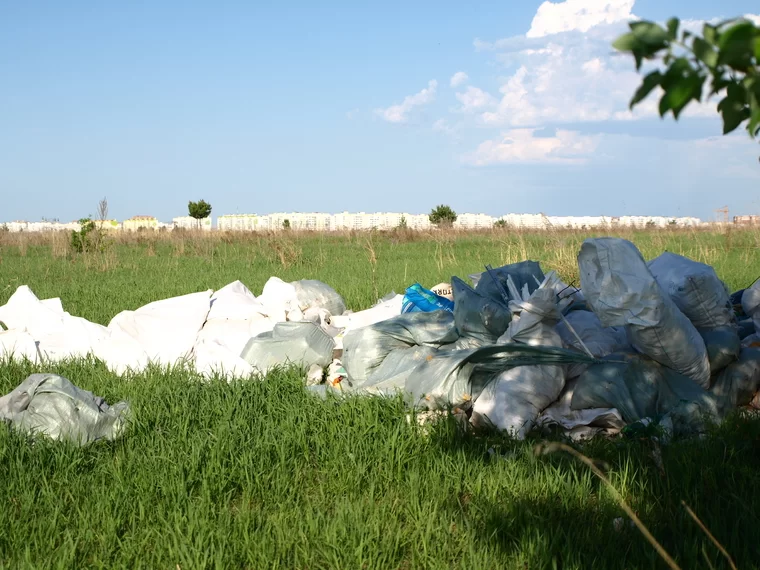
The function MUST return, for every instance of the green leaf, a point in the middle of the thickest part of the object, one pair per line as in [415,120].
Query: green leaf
[649,33]
[733,107]
[678,95]
[664,105]
[736,45]
[673,28]
[705,53]
[626,42]
[710,34]
[752,84]
[649,82]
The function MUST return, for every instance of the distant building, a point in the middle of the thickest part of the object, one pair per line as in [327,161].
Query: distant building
[747,220]
[190,223]
[108,224]
[241,222]
[137,222]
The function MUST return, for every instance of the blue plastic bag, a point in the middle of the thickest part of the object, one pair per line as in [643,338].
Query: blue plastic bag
[418,299]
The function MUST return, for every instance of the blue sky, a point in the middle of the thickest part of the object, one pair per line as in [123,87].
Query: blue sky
[397,106]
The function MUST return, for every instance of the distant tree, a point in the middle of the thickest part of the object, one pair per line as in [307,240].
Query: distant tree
[500,224]
[286,224]
[199,210]
[442,216]
[402,223]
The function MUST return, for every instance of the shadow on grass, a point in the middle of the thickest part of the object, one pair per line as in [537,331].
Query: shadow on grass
[563,516]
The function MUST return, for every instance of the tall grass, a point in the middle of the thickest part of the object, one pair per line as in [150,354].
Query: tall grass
[145,266]
[261,474]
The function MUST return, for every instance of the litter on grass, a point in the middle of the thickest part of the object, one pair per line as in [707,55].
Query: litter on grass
[518,350]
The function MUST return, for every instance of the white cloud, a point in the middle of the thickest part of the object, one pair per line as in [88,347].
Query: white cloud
[475,99]
[459,78]
[521,146]
[442,126]
[565,69]
[350,115]
[400,113]
[580,15]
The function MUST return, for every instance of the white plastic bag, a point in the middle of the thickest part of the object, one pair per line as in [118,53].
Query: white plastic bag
[622,291]
[695,289]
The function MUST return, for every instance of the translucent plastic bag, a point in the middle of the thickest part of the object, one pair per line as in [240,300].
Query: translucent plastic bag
[621,290]
[418,299]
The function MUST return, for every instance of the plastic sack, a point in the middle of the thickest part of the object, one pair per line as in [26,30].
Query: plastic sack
[695,289]
[639,388]
[300,344]
[165,330]
[516,397]
[751,304]
[51,405]
[313,294]
[457,377]
[383,310]
[419,299]
[560,413]
[738,383]
[597,338]
[581,329]
[621,291]
[477,316]
[18,344]
[525,274]
[365,349]
[723,346]
[513,401]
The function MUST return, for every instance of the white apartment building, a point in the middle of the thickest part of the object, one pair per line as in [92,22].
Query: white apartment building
[362,221]
[190,223]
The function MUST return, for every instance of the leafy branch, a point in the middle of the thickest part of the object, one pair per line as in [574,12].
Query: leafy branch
[727,54]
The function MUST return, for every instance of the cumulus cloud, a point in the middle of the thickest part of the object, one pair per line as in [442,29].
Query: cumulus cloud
[580,15]
[475,99]
[564,69]
[459,78]
[523,146]
[400,113]
[442,126]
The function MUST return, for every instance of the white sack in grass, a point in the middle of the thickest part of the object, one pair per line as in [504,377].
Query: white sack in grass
[17,344]
[622,291]
[58,334]
[560,413]
[166,330]
[695,289]
[750,304]
[598,339]
[382,311]
[235,317]
[50,405]
[513,401]
[215,359]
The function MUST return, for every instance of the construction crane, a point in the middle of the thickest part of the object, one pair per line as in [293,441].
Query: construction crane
[724,211]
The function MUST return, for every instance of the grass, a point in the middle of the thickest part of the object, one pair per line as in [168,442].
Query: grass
[261,474]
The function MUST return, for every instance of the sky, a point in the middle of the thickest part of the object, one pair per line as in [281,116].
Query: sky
[261,107]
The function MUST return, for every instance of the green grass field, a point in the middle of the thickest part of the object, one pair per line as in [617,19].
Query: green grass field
[261,474]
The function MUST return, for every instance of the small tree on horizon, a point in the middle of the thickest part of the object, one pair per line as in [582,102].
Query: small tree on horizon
[442,216]
[286,224]
[199,210]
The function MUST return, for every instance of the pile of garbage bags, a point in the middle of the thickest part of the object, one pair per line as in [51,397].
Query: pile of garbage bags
[515,350]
